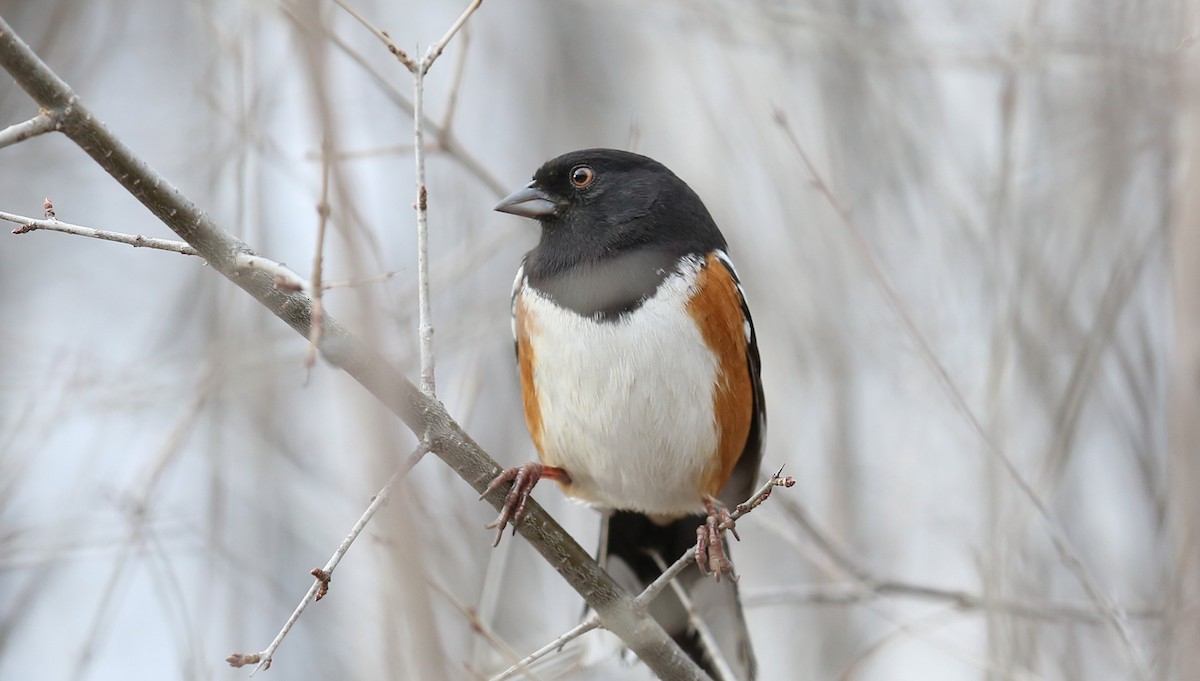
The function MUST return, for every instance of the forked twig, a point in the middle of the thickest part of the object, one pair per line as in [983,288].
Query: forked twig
[323,575]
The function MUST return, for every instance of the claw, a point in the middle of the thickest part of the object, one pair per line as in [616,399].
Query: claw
[711,557]
[523,478]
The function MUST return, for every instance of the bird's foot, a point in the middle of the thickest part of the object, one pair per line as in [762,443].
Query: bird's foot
[711,556]
[523,479]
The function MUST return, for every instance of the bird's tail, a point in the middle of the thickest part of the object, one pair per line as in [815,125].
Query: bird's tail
[631,537]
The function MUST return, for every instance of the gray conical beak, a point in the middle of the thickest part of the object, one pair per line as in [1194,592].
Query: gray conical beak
[530,201]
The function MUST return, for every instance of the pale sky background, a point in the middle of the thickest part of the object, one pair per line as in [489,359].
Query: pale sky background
[168,476]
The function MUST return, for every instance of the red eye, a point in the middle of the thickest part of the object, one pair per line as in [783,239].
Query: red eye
[582,176]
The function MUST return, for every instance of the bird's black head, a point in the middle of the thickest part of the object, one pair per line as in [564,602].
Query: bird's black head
[599,204]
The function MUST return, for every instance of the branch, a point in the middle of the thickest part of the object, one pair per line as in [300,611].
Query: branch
[486,631]
[436,50]
[136,240]
[284,278]
[424,313]
[655,588]
[553,646]
[851,594]
[1062,545]
[446,142]
[707,639]
[643,600]
[382,35]
[40,124]
[320,585]
[317,288]
[422,414]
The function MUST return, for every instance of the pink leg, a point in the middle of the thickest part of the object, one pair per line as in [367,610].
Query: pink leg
[711,557]
[523,479]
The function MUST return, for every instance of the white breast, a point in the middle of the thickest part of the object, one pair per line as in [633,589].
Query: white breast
[627,405]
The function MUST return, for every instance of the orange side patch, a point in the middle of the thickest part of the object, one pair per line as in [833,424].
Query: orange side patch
[717,309]
[529,398]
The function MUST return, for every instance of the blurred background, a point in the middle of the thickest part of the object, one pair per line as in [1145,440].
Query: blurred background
[979,331]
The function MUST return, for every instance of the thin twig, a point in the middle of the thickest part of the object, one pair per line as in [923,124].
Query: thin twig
[436,50]
[446,143]
[382,35]
[320,585]
[868,587]
[368,152]
[135,240]
[553,646]
[424,313]
[460,68]
[855,593]
[285,278]
[652,591]
[422,414]
[485,631]
[721,666]
[1066,552]
[317,288]
[346,283]
[40,124]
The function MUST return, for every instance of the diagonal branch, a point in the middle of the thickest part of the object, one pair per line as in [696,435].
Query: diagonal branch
[668,575]
[551,647]
[323,575]
[720,665]
[437,49]
[422,414]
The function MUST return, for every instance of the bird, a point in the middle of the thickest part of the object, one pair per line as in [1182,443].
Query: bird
[640,379]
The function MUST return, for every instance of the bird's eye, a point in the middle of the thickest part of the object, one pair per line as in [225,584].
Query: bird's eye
[582,176]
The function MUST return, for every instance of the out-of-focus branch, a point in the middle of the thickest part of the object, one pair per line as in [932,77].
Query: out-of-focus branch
[418,70]
[447,143]
[40,124]
[285,278]
[422,414]
[486,631]
[855,593]
[720,665]
[1183,367]
[323,575]
[460,68]
[317,288]
[551,647]
[1112,610]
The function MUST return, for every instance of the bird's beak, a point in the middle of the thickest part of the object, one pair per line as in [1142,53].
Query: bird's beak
[530,201]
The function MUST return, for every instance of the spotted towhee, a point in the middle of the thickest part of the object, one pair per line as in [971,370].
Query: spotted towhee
[640,375]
